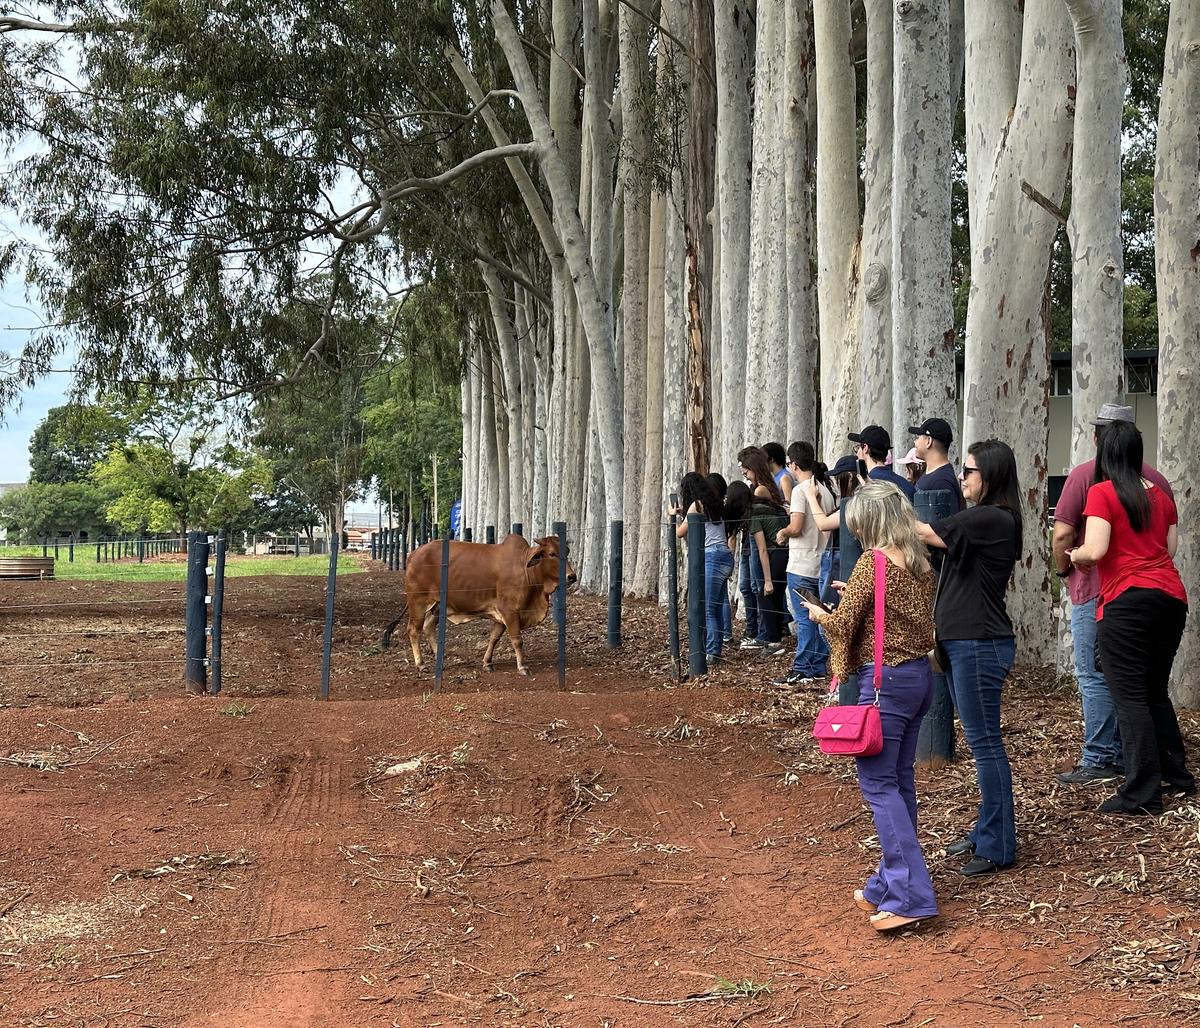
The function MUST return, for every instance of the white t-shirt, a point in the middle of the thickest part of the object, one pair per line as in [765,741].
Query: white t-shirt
[804,550]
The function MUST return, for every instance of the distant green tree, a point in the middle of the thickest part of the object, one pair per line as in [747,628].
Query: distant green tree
[53,509]
[71,440]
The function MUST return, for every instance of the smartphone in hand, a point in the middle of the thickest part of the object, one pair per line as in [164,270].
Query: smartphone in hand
[811,597]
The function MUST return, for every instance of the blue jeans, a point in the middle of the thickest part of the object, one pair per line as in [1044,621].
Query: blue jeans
[827,562]
[976,677]
[812,652]
[1101,735]
[750,575]
[727,610]
[901,883]
[718,566]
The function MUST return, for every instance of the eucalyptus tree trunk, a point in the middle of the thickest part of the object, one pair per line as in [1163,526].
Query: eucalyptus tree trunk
[1094,227]
[698,232]
[527,345]
[992,33]
[675,349]
[470,473]
[1007,344]
[801,418]
[922,315]
[875,373]
[512,441]
[767,325]
[1177,270]
[489,448]
[595,312]
[636,107]
[837,221]
[733,31]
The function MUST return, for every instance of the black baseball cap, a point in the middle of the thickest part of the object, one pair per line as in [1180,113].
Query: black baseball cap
[874,436]
[935,428]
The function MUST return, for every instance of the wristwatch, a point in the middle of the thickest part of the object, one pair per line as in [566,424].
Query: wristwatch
[1063,574]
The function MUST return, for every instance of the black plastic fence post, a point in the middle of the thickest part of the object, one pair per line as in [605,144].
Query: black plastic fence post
[71,550]
[616,564]
[443,586]
[518,528]
[673,596]
[697,659]
[45,547]
[466,535]
[97,553]
[935,743]
[218,609]
[489,534]
[195,673]
[297,552]
[56,547]
[560,599]
[330,589]
[141,544]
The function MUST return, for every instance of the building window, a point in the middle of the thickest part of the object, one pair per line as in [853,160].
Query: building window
[1060,380]
[1141,377]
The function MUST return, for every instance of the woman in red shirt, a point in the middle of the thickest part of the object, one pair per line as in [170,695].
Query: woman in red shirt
[1131,537]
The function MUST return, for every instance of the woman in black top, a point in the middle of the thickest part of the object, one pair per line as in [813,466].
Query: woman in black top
[975,635]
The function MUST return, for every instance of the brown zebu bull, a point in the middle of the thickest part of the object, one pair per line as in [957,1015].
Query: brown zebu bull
[509,582]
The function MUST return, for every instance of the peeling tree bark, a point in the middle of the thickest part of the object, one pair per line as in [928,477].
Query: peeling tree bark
[837,222]
[1177,269]
[1007,351]
[1094,227]
[875,368]
[922,315]
[734,44]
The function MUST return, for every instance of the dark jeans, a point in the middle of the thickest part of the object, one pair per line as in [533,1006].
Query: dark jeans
[772,604]
[748,575]
[901,885]
[1138,638]
[976,677]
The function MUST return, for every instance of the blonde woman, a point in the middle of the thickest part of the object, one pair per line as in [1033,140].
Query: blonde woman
[900,891]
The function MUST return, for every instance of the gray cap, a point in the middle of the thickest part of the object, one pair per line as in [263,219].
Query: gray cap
[1111,412]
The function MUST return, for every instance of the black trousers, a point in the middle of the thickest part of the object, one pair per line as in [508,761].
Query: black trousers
[771,608]
[1138,639]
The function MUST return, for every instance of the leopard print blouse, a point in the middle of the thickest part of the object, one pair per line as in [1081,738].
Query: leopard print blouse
[907,619]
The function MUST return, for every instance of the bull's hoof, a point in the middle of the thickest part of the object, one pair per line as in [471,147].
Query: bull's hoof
[524,672]
[488,668]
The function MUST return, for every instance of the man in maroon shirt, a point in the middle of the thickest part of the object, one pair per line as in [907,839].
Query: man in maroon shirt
[1101,759]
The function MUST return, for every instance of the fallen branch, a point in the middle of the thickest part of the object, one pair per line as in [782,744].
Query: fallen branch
[7,908]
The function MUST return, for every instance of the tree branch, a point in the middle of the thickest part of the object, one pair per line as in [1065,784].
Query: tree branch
[9,23]
[1044,202]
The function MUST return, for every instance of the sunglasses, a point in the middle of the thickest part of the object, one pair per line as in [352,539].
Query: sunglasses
[968,472]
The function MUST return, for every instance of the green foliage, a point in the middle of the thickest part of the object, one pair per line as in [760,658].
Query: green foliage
[71,440]
[52,509]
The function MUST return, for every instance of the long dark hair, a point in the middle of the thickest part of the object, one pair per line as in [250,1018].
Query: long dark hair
[695,489]
[998,469]
[737,507]
[718,483]
[755,461]
[804,456]
[1119,458]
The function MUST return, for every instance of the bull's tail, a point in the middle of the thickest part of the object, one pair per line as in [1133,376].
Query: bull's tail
[385,640]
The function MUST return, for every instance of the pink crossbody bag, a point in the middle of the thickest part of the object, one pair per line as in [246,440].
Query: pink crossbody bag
[857,731]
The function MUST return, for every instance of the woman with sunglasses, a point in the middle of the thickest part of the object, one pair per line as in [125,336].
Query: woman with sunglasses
[976,637]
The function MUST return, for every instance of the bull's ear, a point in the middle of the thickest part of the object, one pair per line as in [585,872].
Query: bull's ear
[535,556]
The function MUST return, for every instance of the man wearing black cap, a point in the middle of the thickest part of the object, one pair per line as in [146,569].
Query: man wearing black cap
[871,446]
[932,438]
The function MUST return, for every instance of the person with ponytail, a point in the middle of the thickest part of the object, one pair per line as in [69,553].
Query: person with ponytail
[768,514]
[696,496]
[1131,533]
[976,639]
[805,543]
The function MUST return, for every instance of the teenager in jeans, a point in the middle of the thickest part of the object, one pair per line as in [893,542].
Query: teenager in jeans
[755,467]
[805,543]
[900,890]
[696,496]
[1131,537]
[721,488]
[737,522]
[975,634]
[1101,759]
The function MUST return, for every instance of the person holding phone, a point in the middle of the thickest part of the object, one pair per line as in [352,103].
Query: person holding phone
[900,890]
[805,542]
[975,634]
[696,496]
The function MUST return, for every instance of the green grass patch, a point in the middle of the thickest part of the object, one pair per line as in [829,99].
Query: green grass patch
[237,710]
[85,568]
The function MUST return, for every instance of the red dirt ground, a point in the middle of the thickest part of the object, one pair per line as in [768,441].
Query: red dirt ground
[628,852]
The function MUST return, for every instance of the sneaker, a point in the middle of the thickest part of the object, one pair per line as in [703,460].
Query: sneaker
[750,644]
[795,678]
[775,650]
[1118,804]
[1089,775]
[977,866]
[960,848]
[1179,789]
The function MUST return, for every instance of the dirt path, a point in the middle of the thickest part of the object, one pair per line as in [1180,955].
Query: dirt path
[625,854]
